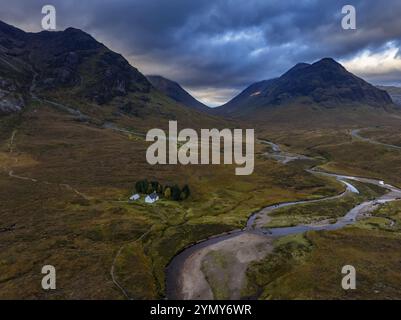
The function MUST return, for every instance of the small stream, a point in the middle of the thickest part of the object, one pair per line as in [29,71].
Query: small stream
[356,134]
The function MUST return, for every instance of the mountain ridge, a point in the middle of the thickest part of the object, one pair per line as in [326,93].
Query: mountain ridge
[71,72]
[176,92]
[69,59]
[394,92]
[325,82]
[73,62]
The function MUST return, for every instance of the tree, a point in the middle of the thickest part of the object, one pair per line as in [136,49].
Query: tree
[141,186]
[185,193]
[149,189]
[167,192]
[154,185]
[176,193]
[138,187]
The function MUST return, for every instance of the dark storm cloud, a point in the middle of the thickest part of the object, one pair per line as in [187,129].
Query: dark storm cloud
[218,47]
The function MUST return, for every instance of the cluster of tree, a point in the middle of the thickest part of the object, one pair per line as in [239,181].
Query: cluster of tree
[144,186]
[169,192]
[175,193]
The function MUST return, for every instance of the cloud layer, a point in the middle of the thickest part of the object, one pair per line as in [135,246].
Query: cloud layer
[216,48]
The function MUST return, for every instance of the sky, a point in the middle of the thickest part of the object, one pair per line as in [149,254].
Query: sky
[216,48]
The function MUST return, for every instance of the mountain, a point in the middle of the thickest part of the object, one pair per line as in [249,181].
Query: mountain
[176,92]
[249,97]
[14,72]
[325,83]
[394,92]
[73,72]
[69,59]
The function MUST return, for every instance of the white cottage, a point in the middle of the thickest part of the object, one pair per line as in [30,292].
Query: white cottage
[151,198]
[134,197]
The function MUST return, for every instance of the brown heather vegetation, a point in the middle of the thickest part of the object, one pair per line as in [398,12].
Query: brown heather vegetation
[309,266]
[67,197]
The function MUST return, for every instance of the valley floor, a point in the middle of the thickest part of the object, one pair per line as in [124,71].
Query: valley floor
[64,185]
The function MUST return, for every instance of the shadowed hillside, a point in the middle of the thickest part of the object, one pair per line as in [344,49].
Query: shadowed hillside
[325,84]
[176,92]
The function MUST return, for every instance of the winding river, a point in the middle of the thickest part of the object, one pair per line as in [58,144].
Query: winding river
[184,264]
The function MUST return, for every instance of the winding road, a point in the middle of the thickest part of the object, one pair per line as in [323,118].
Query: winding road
[185,278]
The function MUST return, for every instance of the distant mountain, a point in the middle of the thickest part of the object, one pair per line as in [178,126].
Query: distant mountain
[394,92]
[176,92]
[248,98]
[325,83]
[70,72]
[71,60]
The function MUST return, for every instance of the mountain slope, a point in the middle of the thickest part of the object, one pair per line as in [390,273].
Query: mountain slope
[79,75]
[394,92]
[68,59]
[75,59]
[15,75]
[325,83]
[176,92]
[249,97]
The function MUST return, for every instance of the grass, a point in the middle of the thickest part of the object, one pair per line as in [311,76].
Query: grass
[308,266]
[81,237]
[323,210]
[386,217]
[262,275]
[384,134]
[300,271]
[364,159]
[134,267]
[214,267]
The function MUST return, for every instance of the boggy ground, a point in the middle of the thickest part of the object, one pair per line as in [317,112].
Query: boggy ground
[308,266]
[63,190]
[64,186]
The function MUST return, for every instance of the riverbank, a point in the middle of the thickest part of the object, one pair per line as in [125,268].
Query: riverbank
[212,269]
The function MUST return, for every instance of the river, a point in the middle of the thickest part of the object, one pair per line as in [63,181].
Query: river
[177,270]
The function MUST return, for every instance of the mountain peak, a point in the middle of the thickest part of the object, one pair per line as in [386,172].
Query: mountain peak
[326,83]
[296,68]
[327,60]
[71,59]
[173,90]
[71,29]
[329,63]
